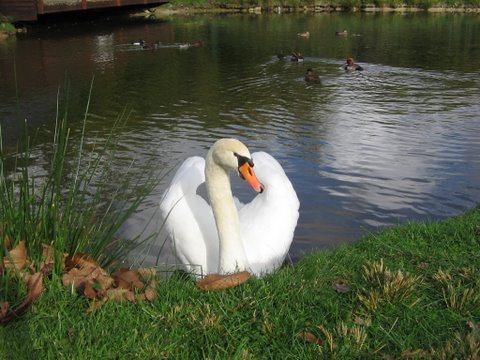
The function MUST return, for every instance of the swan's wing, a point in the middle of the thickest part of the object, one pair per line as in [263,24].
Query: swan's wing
[188,219]
[268,222]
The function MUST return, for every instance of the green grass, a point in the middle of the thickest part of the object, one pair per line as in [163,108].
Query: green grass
[413,293]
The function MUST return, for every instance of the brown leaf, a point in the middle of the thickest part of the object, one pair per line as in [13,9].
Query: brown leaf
[3,309]
[17,257]
[79,277]
[35,289]
[89,292]
[150,293]
[220,282]
[309,337]
[80,260]
[127,279]
[341,286]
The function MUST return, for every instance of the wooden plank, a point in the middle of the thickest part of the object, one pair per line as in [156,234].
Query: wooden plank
[19,9]
[27,10]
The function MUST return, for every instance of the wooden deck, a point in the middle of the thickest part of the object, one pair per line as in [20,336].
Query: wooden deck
[28,10]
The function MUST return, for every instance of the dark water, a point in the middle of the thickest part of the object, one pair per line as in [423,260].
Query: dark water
[397,142]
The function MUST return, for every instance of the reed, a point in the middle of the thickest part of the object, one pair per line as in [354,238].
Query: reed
[78,204]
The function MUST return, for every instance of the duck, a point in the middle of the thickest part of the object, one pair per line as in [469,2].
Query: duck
[139,43]
[296,56]
[304,34]
[224,236]
[311,76]
[342,33]
[350,65]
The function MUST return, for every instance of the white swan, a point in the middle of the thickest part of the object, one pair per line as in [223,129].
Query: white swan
[227,236]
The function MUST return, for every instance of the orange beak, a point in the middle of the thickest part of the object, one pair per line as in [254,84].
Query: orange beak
[247,173]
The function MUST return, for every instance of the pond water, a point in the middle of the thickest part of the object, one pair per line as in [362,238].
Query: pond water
[397,142]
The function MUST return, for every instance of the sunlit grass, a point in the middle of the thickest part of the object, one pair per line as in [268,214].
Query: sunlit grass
[425,277]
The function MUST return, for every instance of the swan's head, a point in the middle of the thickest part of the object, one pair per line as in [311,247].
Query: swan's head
[232,154]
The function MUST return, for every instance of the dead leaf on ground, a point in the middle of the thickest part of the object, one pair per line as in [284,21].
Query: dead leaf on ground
[89,292]
[127,279]
[35,289]
[309,337]
[17,257]
[3,310]
[220,282]
[79,260]
[150,293]
[89,277]
[341,286]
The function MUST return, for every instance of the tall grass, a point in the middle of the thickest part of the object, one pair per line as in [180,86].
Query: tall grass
[79,205]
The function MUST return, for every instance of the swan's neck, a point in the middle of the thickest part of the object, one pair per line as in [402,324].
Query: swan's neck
[232,256]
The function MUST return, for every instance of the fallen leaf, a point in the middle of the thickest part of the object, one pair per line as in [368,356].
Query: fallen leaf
[220,282]
[35,289]
[80,260]
[341,286]
[17,257]
[89,292]
[79,277]
[309,337]
[127,279]
[150,293]
[3,310]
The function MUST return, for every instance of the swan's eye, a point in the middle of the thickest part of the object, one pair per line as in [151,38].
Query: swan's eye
[243,159]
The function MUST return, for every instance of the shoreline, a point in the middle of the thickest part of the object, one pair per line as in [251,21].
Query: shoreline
[172,10]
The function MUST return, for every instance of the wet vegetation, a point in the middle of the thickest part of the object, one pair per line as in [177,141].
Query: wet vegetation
[324,5]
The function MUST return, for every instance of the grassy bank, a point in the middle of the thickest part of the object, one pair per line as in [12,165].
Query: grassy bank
[182,6]
[412,291]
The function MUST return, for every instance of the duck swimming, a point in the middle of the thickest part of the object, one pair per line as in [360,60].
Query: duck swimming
[350,65]
[311,76]
[222,235]
[296,56]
